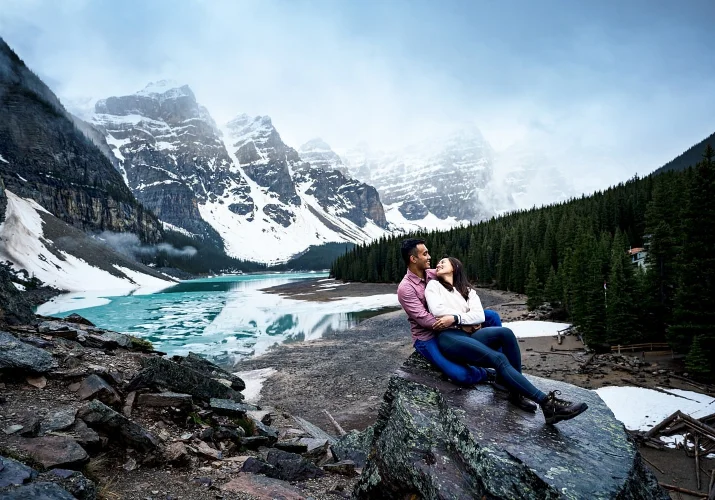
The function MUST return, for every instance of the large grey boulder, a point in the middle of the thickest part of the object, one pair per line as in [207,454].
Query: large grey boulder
[54,451]
[36,491]
[162,374]
[206,367]
[14,473]
[437,440]
[100,416]
[16,355]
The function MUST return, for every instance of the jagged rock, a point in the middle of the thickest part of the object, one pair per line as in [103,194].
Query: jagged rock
[17,355]
[94,386]
[291,467]
[354,446]
[98,415]
[76,318]
[59,420]
[266,431]
[234,434]
[85,437]
[37,382]
[72,481]
[257,466]
[111,338]
[207,368]
[54,451]
[99,341]
[230,408]
[263,416]
[38,342]
[14,473]
[316,448]
[37,491]
[447,443]
[254,442]
[129,404]
[209,452]
[162,373]
[12,429]
[291,446]
[262,487]
[59,329]
[167,399]
[31,426]
[314,430]
[176,453]
[344,468]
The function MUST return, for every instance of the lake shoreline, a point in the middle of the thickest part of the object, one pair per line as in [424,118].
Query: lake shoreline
[346,373]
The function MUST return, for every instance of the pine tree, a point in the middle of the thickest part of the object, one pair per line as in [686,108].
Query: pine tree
[533,289]
[620,313]
[693,314]
[553,291]
[698,361]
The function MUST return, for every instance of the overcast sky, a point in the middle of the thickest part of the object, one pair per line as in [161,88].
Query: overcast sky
[607,88]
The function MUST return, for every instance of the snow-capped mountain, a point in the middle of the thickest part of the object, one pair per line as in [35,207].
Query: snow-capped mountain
[239,185]
[432,185]
[319,154]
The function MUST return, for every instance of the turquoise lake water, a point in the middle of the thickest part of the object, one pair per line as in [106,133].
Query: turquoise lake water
[226,318]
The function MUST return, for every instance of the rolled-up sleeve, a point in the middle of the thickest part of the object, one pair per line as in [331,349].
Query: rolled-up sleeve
[414,308]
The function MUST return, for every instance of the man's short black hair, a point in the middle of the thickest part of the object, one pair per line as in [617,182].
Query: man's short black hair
[409,247]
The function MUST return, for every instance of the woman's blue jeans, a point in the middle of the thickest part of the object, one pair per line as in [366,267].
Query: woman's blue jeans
[457,372]
[481,349]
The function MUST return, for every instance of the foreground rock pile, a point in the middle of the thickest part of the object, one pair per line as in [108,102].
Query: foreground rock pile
[75,398]
[435,440]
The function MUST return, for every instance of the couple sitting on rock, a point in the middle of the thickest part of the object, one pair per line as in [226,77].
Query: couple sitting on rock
[450,329]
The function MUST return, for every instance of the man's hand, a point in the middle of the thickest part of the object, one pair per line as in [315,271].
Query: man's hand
[443,322]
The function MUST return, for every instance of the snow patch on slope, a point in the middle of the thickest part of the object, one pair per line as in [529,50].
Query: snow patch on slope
[22,242]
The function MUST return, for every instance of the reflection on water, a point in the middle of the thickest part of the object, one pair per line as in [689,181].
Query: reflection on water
[228,318]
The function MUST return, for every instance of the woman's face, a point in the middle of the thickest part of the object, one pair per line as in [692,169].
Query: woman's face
[444,267]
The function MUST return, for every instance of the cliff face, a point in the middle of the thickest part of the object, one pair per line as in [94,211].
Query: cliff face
[44,156]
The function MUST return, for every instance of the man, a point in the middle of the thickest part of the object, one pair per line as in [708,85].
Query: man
[423,325]
[411,294]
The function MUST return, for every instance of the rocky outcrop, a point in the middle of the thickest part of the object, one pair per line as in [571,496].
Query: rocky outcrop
[46,158]
[437,441]
[19,357]
[162,373]
[170,153]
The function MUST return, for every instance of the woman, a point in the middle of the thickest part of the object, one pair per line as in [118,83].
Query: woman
[451,294]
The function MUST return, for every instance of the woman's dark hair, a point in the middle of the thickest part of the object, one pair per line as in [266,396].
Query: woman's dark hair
[459,279]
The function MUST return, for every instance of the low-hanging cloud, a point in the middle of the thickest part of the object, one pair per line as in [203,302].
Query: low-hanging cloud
[130,245]
[602,89]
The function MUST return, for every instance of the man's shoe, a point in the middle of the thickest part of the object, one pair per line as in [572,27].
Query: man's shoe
[555,409]
[523,403]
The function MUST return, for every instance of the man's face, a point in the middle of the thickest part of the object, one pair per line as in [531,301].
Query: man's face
[422,259]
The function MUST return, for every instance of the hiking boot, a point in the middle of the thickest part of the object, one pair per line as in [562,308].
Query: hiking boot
[555,409]
[525,404]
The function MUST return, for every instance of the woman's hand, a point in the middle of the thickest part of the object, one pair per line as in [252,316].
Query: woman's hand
[443,322]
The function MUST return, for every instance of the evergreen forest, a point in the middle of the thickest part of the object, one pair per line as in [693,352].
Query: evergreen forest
[575,255]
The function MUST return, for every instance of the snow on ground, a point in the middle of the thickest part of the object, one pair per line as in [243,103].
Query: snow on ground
[523,329]
[641,409]
[22,242]
[3,159]
[254,380]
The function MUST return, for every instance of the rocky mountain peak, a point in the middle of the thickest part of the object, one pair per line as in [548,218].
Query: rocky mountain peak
[318,153]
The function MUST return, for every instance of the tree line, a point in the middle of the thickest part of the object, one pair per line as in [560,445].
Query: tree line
[575,256]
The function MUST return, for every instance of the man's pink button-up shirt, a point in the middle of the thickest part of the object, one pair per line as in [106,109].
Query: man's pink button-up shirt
[411,294]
